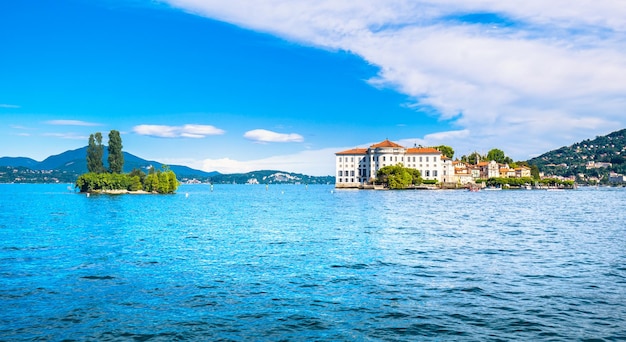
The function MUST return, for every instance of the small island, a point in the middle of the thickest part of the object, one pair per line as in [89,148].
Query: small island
[98,179]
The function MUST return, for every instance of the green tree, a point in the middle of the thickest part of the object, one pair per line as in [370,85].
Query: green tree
[173,182]
[95,152]
[116,157]
[497,155]
[140,174]
[395,176]
[473,158]
[446,150]
[534,171]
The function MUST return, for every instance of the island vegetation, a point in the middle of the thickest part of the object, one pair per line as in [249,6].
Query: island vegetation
[100,179]
[398,177]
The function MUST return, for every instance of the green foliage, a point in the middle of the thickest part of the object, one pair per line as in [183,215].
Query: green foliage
[134,183]
[473,158]
[116,157]
[158,182]
[398,177]
[95,152]
[446,150]
[534,171]
[499,156]
[517,182]
[572,160]
[513,182]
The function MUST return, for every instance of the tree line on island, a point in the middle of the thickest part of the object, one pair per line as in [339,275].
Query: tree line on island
[400,177]
[98,178]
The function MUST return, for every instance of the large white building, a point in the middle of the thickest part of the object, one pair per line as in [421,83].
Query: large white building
[359,166]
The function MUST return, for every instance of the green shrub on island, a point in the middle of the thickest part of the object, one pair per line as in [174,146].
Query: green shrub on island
[162,182]
[518,182]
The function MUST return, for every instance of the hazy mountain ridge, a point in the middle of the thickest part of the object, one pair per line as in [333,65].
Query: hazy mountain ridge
[590,158]
[67,166]
[270,177]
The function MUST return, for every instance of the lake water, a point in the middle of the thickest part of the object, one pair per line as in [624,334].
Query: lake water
[297,263]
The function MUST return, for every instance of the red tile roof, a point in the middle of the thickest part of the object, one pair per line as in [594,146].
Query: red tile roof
[422,150]
[353,151]
[386,143]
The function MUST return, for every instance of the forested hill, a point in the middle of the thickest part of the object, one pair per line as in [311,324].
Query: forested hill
[270,177]
[592,158]
[67,166]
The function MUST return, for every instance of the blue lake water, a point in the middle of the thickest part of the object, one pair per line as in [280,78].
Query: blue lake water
[297,263]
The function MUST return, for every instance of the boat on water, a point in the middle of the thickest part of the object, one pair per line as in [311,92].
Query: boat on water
[492,188]
[473,188]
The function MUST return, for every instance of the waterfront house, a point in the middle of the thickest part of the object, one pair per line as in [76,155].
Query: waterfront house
[358,167]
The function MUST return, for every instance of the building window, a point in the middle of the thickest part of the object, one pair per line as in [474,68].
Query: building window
[340,159]
[434,173]
[427,173]
[352,180]
[352,159]
[426,158]
[434,159]
[352,173]
[340,174]
[420,159]
[340,180]
[383,158]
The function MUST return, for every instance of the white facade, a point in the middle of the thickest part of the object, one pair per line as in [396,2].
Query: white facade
[359,166]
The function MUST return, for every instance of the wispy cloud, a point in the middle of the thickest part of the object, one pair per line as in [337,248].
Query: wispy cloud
[526,77]
[263,136]
[311,162]
[71,123]
[73,136]
[4,105]
[186,131]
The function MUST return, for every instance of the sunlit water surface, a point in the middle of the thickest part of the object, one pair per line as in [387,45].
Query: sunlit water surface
[300,263]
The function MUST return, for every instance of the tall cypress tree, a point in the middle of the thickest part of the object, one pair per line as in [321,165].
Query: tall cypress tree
[116,158]
[99,153]
[95,152]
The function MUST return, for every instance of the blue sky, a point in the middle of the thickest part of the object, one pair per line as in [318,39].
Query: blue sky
[238,86]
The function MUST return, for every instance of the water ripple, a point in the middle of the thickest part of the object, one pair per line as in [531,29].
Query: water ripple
[293,263]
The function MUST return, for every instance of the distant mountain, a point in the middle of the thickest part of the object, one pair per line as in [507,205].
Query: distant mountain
[586,159]
[270,177]
[70,164]
[67,166]
[18,161]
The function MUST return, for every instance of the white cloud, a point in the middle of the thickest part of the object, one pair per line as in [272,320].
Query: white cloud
[543,74]
[263,135]
[4,105]
[71,123]
[310,162]
[186,131]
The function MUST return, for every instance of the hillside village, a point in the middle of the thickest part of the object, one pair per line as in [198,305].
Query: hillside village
[598,161]
[589,162]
